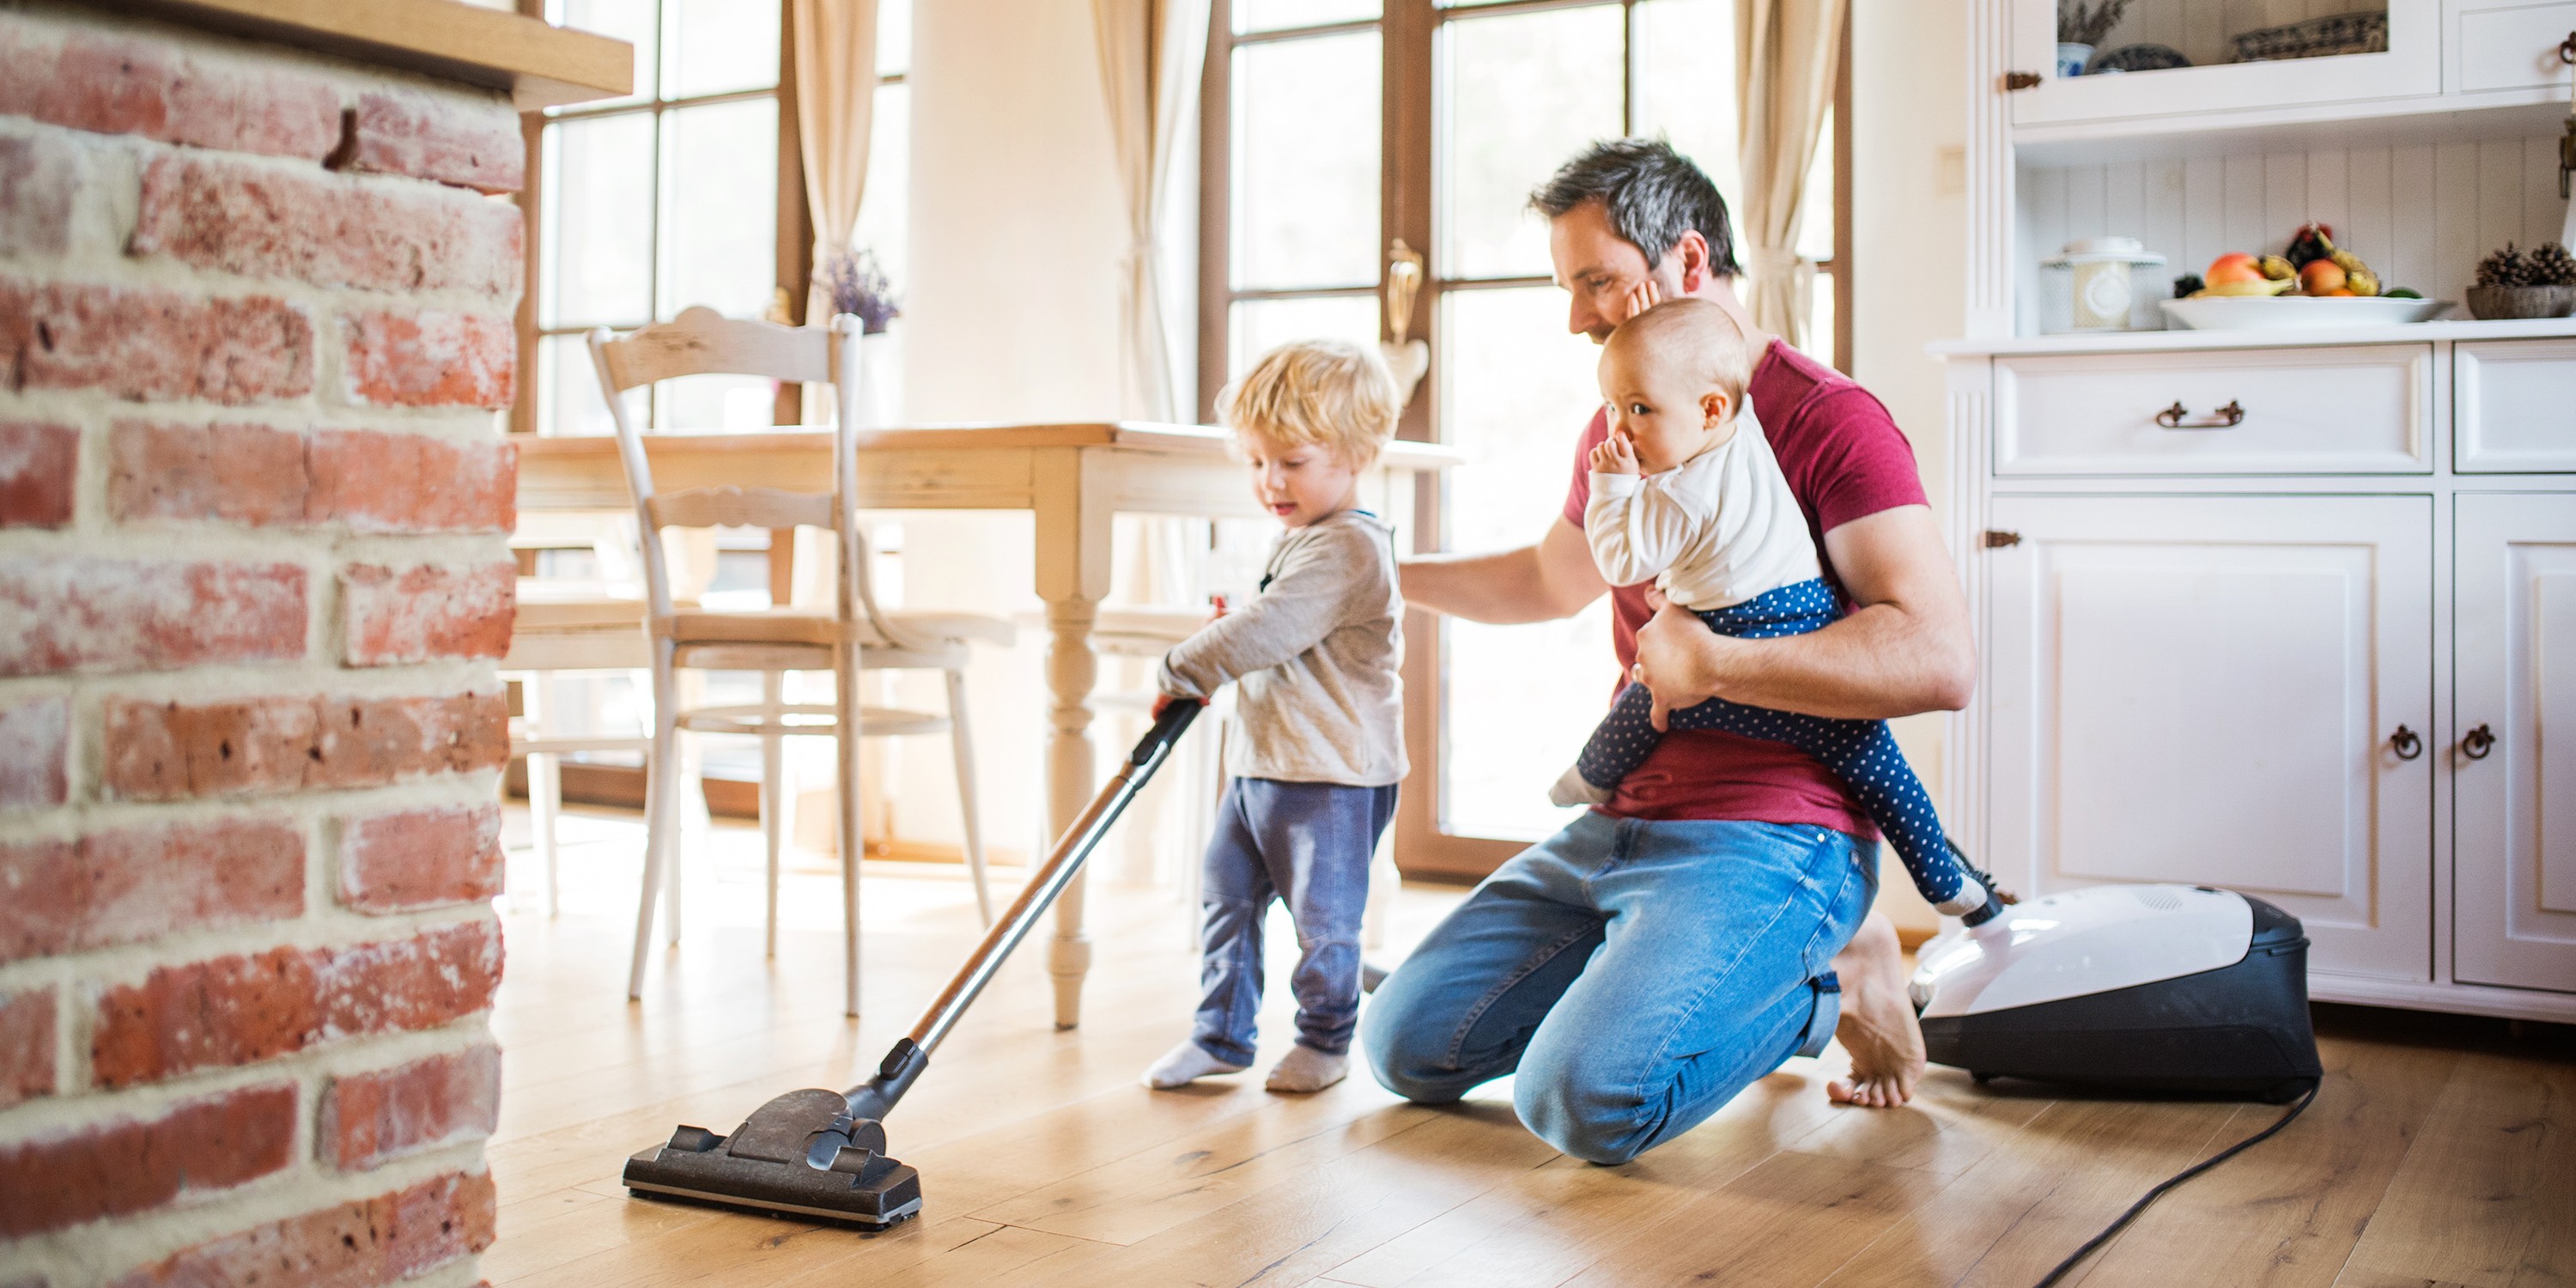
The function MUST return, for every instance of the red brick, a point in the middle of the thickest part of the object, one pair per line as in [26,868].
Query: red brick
[38,467]
[372,1118]
[124,1165]
[358,1244]
[431,359]
[410,483]
[243,1009]
[270,221]
[427,612]
[173,751]
[38,178]
[471,143]
[70,613]
[260,477]
[153,345]
[125,887]
[35,740]
[423,858]
[112,83]
[245,474]
[26,1046]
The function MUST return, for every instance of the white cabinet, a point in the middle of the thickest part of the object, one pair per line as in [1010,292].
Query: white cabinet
[2215,84]
[2208,690]
[2508,44]
[2356,410]
[2514,403]
[2511,752]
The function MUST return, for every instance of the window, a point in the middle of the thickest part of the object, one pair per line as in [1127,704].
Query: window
[686,192]
[1334,127]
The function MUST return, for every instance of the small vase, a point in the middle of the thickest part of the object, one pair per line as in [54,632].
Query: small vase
[2073,58]
[2493,303]
[880,380]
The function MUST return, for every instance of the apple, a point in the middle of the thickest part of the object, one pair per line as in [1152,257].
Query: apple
[2322,277]
[2233,266]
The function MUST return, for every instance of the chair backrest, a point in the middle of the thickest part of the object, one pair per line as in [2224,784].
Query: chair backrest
[701,341]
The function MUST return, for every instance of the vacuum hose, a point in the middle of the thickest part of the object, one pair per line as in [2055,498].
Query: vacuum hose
[903,1064]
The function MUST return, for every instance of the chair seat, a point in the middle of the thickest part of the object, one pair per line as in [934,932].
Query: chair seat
[553,606]
[796,626]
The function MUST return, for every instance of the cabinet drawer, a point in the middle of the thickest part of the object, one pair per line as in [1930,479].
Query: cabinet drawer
[2301,411]
[2511,404]
[2509,44]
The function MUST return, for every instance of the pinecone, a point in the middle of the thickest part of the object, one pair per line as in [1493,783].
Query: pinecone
[2506,267]
[2552,266]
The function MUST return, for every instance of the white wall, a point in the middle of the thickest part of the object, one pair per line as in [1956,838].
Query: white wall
[1909,233]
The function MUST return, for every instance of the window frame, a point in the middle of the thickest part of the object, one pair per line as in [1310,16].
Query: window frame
[1408,33]
[795,232]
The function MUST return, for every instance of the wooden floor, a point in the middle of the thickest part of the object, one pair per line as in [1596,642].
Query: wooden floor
[2439,1152]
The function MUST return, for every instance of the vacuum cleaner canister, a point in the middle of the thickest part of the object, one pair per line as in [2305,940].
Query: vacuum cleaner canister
[2131,988]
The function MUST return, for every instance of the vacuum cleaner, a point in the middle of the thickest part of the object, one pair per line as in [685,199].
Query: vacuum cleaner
[821,1155]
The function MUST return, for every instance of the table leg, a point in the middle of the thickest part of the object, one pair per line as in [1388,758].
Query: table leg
[1072,777]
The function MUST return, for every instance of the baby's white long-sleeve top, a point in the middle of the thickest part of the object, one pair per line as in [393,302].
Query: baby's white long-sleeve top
[1718,529]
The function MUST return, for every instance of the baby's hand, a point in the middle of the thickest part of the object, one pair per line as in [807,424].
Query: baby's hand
[1614,456]
[1641,297]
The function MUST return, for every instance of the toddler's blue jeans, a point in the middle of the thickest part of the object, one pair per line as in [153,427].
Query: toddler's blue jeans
[1635,975]
[1307,844]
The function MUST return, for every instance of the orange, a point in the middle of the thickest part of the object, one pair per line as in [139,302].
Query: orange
[2321,277]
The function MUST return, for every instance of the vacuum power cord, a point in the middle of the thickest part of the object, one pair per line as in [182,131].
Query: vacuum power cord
[2095,1243]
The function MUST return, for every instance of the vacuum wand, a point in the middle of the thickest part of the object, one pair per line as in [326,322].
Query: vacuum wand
[873,1098]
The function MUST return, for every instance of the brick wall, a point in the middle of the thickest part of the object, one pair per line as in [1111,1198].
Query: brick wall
[255,322]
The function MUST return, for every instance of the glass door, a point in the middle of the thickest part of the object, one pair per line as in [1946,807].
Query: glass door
[2192,59]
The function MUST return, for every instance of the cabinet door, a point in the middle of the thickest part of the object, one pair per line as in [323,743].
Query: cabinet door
[2513,857]
[2204,690]
[2215,82]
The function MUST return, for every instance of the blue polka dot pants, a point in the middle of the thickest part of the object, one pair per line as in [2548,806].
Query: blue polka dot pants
[1863,752]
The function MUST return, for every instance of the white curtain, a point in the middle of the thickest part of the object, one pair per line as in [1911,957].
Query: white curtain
[836,83]
[1151,53]
[1787,54]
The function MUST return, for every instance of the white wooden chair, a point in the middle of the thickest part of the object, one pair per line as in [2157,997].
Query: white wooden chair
[856,636]
[562,625]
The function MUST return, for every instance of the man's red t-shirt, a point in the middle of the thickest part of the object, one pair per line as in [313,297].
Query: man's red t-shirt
[1845,459]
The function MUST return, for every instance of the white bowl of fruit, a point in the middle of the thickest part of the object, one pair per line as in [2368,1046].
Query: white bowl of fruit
[2312,283]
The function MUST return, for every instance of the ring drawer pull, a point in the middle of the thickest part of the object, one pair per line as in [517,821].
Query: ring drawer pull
[2178,417]
[2405,743]
[2477,743]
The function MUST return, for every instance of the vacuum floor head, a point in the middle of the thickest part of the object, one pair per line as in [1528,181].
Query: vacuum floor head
[2129,988]
[770,1165]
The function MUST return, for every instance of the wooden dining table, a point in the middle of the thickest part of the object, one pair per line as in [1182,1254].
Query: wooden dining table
[1072,476]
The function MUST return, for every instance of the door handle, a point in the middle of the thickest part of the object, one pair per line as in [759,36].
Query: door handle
[2477,743]
[2179,417]
[2405,743]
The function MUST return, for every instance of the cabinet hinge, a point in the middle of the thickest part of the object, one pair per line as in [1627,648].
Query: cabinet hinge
[2020,80]
[1996,539]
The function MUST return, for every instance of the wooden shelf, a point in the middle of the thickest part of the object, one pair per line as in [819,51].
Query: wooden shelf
[2429,118]
[537,64]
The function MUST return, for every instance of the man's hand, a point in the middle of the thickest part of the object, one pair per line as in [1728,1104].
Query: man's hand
[1673,652]
[1613,455]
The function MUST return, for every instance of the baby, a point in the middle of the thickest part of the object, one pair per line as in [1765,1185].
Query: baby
[1316,745]
[1685,491]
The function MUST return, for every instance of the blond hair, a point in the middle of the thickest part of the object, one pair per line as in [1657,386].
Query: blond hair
[1697,336]
[1329,393]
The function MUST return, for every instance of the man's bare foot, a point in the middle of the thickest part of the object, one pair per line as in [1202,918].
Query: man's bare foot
[1877,1026]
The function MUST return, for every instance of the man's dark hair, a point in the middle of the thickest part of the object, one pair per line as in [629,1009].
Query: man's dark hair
[1652,193]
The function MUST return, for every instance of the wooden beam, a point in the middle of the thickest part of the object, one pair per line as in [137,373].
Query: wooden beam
[540,65]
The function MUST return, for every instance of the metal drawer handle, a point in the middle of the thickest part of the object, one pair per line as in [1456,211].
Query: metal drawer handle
[2477,743]
[2178,417]
[2405,743]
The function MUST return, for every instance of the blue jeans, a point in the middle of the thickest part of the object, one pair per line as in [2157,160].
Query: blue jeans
[1307,844]
[1634,974]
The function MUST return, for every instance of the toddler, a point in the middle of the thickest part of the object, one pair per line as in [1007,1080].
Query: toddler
[1316,745]
[1685,491]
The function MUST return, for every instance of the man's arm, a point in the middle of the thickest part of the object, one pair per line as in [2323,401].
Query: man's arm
[1539,583]
[1905,648]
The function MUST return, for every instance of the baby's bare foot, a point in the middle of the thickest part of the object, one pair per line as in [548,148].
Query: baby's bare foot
[1877,1027]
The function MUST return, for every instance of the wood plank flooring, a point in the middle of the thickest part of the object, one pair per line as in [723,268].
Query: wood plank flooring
[2441,1150]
